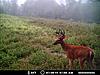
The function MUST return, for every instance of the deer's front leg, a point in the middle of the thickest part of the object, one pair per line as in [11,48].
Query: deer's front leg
[70,64]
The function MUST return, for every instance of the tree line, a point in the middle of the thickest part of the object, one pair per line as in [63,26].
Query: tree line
[77,11]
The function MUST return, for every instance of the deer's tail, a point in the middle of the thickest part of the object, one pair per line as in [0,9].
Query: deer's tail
[91,55]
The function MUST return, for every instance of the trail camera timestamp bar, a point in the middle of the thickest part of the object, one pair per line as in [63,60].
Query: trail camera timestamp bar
[62,72]
[49,72]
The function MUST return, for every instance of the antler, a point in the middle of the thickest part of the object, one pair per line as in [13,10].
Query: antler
[61,34]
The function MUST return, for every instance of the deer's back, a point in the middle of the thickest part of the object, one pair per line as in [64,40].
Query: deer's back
[75,52]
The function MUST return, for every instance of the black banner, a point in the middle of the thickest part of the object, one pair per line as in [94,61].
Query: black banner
[49,72]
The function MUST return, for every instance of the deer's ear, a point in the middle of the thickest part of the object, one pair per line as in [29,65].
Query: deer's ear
[62,37]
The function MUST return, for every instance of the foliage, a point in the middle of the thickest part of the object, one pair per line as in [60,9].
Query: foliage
[27,43]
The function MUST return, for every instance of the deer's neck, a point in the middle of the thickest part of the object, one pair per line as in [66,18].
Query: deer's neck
[63,45]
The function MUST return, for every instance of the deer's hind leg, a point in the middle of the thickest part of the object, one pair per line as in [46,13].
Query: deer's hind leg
[81,61]
[90,61]
[91,64]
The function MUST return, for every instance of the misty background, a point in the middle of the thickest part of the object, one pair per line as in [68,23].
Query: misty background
[75,10]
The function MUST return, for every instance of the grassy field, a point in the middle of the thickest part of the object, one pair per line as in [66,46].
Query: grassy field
[26,43]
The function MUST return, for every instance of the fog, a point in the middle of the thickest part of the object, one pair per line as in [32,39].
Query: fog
[76,10]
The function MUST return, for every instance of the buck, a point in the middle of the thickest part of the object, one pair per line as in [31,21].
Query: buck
[81,53]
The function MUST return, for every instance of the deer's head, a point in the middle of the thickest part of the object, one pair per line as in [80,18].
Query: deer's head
[60,36]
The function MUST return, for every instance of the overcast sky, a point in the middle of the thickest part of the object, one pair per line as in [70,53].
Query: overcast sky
[58,1]
[21,1]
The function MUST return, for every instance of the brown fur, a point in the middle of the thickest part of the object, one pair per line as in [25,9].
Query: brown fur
[82,53]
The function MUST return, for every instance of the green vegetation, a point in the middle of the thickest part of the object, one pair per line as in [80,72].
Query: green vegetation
[27,43]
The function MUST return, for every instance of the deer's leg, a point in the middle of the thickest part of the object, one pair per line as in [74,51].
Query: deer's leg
[81,61]
[70,64]
[90,61]
[91,64]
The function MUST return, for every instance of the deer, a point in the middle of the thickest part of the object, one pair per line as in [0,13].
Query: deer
[74,52]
